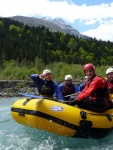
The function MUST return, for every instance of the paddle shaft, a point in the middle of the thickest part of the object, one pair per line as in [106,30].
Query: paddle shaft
[42,97]
[75,94]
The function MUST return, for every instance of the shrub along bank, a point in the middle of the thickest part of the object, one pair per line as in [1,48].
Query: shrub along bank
[15,76]
[13,70]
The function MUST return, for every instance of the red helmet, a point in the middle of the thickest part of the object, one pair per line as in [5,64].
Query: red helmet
[89,66]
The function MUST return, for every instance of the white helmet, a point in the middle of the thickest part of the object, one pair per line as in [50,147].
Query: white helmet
[109,70]
[86,77]
[68,77]
[46,71]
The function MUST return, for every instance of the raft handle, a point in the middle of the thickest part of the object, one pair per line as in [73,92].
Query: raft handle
[83,115]
[26,101]
[109,117]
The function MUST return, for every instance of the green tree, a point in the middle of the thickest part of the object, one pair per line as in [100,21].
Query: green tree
[76,58]
[103,61]
[72,45]
[83,55]
[90,58]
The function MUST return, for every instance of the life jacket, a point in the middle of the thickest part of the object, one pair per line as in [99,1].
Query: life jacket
[67,90]
[101,95]
[110,89]
[48,88]
[110,86]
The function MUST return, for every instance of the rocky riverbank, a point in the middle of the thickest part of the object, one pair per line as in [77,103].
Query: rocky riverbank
[10,88]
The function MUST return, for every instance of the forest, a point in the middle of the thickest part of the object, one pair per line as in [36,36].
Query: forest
[27,44]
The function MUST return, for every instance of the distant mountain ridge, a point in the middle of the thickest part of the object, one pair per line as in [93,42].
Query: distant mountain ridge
[54,25]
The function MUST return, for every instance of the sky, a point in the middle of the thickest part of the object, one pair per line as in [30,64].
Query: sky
[93,18]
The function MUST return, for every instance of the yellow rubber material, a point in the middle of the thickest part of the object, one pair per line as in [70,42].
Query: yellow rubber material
[57,117]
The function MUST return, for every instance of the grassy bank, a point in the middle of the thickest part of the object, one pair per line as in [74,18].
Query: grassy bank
[13,70]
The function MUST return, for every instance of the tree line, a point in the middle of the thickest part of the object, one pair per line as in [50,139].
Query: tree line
[22,42]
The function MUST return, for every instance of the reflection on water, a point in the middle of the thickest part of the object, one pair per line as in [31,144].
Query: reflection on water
[14,136]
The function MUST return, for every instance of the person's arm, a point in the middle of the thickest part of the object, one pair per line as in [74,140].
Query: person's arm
[80,87]
[58,93]
[38,81]
[55,85]
[34,77]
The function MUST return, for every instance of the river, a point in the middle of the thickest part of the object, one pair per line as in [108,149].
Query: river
[14,136]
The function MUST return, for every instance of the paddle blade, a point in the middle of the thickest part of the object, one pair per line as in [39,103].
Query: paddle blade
[30,95]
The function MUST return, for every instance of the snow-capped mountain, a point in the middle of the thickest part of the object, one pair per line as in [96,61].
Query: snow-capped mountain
[54,25]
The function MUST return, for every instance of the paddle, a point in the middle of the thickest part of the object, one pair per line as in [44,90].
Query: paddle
[39,96]
[30,95]
[42,98]
[75,94]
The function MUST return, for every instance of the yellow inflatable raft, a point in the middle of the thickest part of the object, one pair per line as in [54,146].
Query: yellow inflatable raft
[62,119]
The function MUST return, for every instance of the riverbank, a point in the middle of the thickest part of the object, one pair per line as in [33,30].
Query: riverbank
[10,88]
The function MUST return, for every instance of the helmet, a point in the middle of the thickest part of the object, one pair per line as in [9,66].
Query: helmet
[86,77]
[89,66]
[109,70]
[68,77]
[46,71]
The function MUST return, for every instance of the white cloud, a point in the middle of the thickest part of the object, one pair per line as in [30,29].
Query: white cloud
[64,9]
[88,22]
[103,32]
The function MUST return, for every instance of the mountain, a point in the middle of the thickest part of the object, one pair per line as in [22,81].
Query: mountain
[54,25]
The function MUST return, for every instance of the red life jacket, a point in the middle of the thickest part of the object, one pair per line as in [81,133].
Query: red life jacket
[101,94]
[110,87]
[68,89]
[96,91]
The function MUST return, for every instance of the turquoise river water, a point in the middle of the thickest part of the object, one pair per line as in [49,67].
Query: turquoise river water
[14,136]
